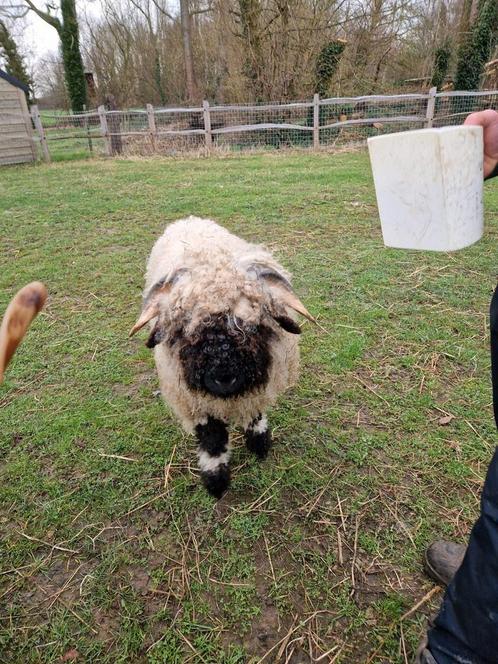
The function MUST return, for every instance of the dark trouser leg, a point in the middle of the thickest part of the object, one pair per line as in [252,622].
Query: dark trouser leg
[258,437]
[213,456]
[466,628]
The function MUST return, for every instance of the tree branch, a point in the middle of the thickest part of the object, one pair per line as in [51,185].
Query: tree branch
[202,11]
[11,11]
[163,11]
[145,14]
[45,16]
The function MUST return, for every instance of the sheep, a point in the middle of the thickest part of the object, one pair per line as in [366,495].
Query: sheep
[223,327]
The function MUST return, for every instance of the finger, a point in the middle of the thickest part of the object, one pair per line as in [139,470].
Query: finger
[483,119]
[488,120]
[17,319]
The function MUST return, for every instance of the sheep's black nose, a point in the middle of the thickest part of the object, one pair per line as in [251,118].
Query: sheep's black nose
[223,384]
[226,383]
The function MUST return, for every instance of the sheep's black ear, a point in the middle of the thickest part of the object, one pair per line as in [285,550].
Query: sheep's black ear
[287,324]
[156,336]
[282,291]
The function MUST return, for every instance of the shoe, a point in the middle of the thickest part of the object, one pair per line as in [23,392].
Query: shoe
[442,560]
[423,655]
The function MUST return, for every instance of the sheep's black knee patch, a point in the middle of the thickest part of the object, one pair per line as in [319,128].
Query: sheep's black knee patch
[212,436]
[217,482]
[257,441]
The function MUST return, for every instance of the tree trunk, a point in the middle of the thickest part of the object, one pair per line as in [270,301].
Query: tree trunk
[250,14]
[186,23]
[158,76]
[464,23]
[114,125]
[474,10]
[477,48]
[326,65]
[71,56]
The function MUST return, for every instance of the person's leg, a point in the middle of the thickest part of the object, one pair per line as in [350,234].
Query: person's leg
[466,627]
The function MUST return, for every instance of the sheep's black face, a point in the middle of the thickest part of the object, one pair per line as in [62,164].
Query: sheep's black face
[226,361]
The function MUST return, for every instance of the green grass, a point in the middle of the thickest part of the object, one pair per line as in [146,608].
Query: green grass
[326,536]
[70,139]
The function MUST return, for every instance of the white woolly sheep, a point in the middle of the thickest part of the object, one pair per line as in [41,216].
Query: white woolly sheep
[223,330]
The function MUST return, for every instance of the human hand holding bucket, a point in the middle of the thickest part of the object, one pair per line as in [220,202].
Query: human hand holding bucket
[429,187]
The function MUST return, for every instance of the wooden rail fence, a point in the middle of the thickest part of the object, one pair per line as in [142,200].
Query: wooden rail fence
[313,124]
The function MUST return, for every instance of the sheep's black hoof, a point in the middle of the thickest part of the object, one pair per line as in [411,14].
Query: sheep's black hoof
[258,443]
[217,482]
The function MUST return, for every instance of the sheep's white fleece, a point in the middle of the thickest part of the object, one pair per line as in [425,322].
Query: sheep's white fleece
[217,281]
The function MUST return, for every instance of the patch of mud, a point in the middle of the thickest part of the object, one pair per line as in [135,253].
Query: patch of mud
[61,580]
[107,625]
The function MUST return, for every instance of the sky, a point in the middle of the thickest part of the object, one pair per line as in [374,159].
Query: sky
[39,38]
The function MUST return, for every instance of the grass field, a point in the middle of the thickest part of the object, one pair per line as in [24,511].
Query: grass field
[110,549]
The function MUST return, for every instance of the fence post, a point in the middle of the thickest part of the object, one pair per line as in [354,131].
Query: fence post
[87,127]
[316,121]
[113,125]
[152,126]
[207,125]
[431,104]
[35,114]
[103,130]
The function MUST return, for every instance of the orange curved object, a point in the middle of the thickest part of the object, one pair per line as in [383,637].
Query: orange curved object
[24,306]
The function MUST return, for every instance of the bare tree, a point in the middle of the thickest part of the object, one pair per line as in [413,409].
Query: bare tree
[187,12]
[147,10]
[241,50]
[68,30]
[186,22]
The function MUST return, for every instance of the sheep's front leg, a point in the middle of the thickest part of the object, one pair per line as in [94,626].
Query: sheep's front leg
[258,436]
[214,455]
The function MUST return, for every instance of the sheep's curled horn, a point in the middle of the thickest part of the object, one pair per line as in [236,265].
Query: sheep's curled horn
[150,307]
[282,295]
[280,292]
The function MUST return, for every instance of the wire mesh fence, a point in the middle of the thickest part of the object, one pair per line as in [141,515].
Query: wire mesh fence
[350,121]
[67,136]
[315,124]
[451,108]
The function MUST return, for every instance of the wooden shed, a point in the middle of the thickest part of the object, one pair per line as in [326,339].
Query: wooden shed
[16,134]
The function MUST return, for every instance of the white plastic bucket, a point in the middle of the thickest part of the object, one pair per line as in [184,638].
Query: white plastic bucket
[429,186]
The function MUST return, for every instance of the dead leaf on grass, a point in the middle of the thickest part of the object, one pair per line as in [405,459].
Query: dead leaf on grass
[455,446]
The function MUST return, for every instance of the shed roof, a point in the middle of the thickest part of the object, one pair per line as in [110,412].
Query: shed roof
[13,80]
